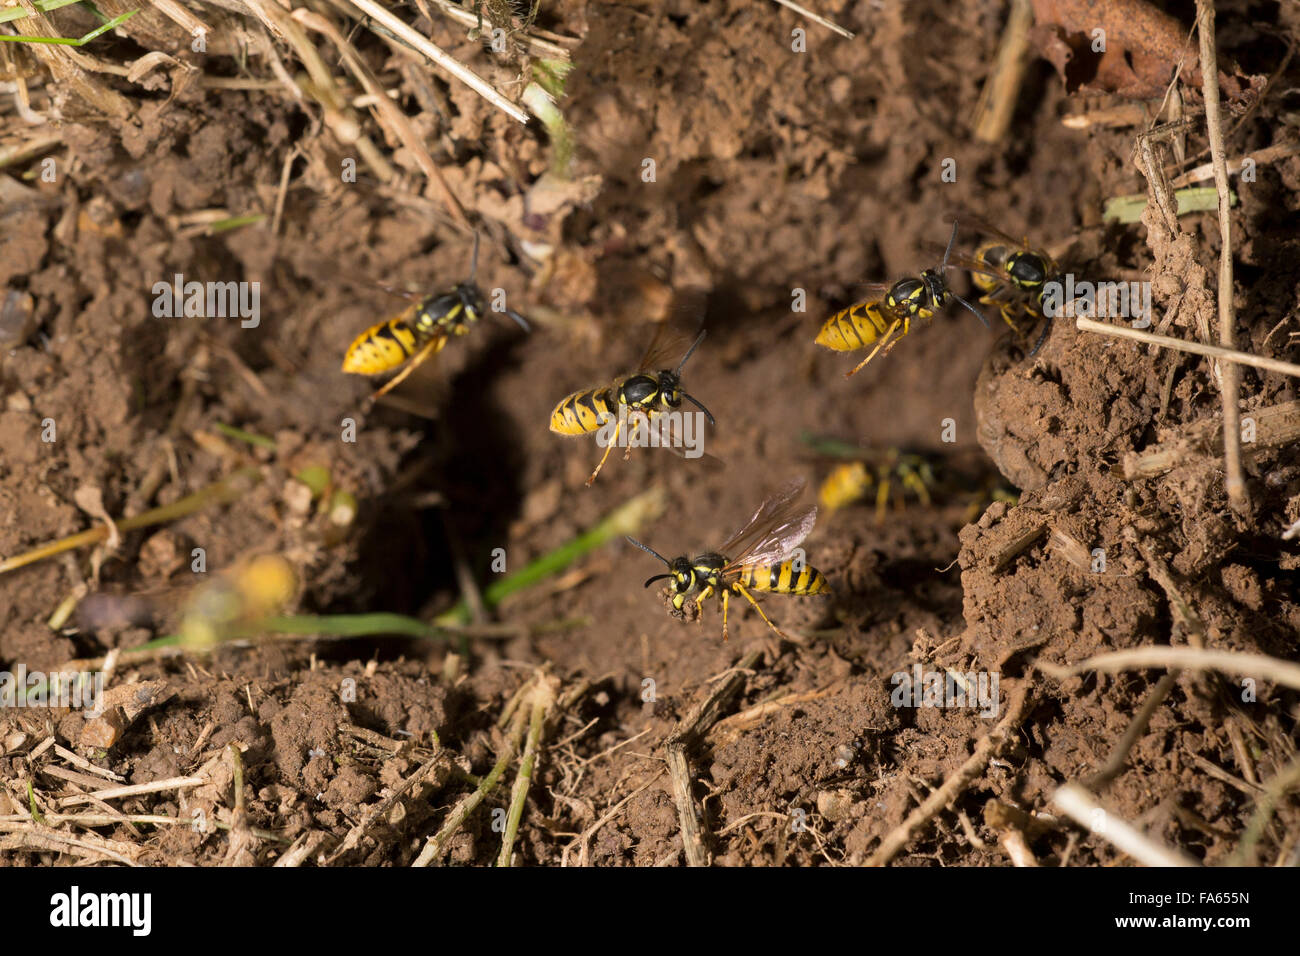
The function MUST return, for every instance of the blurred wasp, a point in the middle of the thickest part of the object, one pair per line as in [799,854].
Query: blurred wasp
[420,331]
[1011,276]
[926,475]
[851,481]
[887,316]
[646,393]
[755,558]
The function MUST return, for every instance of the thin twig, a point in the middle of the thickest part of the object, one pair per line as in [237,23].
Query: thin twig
[1111,768]
[380,810]
[533,44]
[1234,482]
[436,844]
[388,111]
[1257,666]
[1078,804]
[985,750]
[1001,92]
[543,699]
[134,790]
[1275,426]
[1265,804]
[219,492]
[1259,158]
[1231,356]
[449,63]
[689,732]
[817,18]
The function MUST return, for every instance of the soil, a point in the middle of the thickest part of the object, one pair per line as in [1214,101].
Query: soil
[777,176]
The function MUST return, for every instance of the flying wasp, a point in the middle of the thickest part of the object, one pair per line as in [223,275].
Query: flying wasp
[851,481]
[887,315]
[1012,276]
[420,331]
[646,392]
[895,472]
[755,558]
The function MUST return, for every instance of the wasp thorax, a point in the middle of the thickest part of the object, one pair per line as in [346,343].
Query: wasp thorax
[639,390]
[906,294]
[1028,270]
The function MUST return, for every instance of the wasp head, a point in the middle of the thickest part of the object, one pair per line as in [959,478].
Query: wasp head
[670,389]
[471,299]
[681,573]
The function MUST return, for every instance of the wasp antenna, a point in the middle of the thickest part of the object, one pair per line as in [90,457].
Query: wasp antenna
[473,259]
[649,550]
[657,577]
[694,345]
[700,405]
[1042,337]
[947,252]
[523,323]
[978,314]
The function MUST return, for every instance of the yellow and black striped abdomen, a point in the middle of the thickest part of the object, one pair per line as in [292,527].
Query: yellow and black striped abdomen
[845,484]
[582,412]
[854,328]
[385,346]
[783,579]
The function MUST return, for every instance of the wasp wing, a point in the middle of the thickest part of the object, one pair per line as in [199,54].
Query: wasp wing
[670,342]
[960,260]
[866,292]
[663,431]
[981,225]
[774,530]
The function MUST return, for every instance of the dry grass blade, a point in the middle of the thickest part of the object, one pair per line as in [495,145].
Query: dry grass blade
[1082,807]
[388,112]
[985,750]
[114,793]
[441,59]
[1257,666]
[1234,482]
[689,732]
[1231,356]
[816,18]
[997,103]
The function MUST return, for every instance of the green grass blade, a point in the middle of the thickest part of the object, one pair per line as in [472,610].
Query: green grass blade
[68,41]
[230,431]
[626,519]
[1128,209]
[9,14]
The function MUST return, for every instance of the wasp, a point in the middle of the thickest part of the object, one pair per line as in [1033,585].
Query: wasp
[421,331]
[1012,277]
[887,315]
[852,481]
[755,558]
[646,393]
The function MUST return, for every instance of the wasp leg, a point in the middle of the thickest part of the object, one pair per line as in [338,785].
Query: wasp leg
[432,347]
[740,588]
[726,593]
[627,454]
[914,481]
[1007,310]
[883,339]
[882,499]
[608,448]
[699,603]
